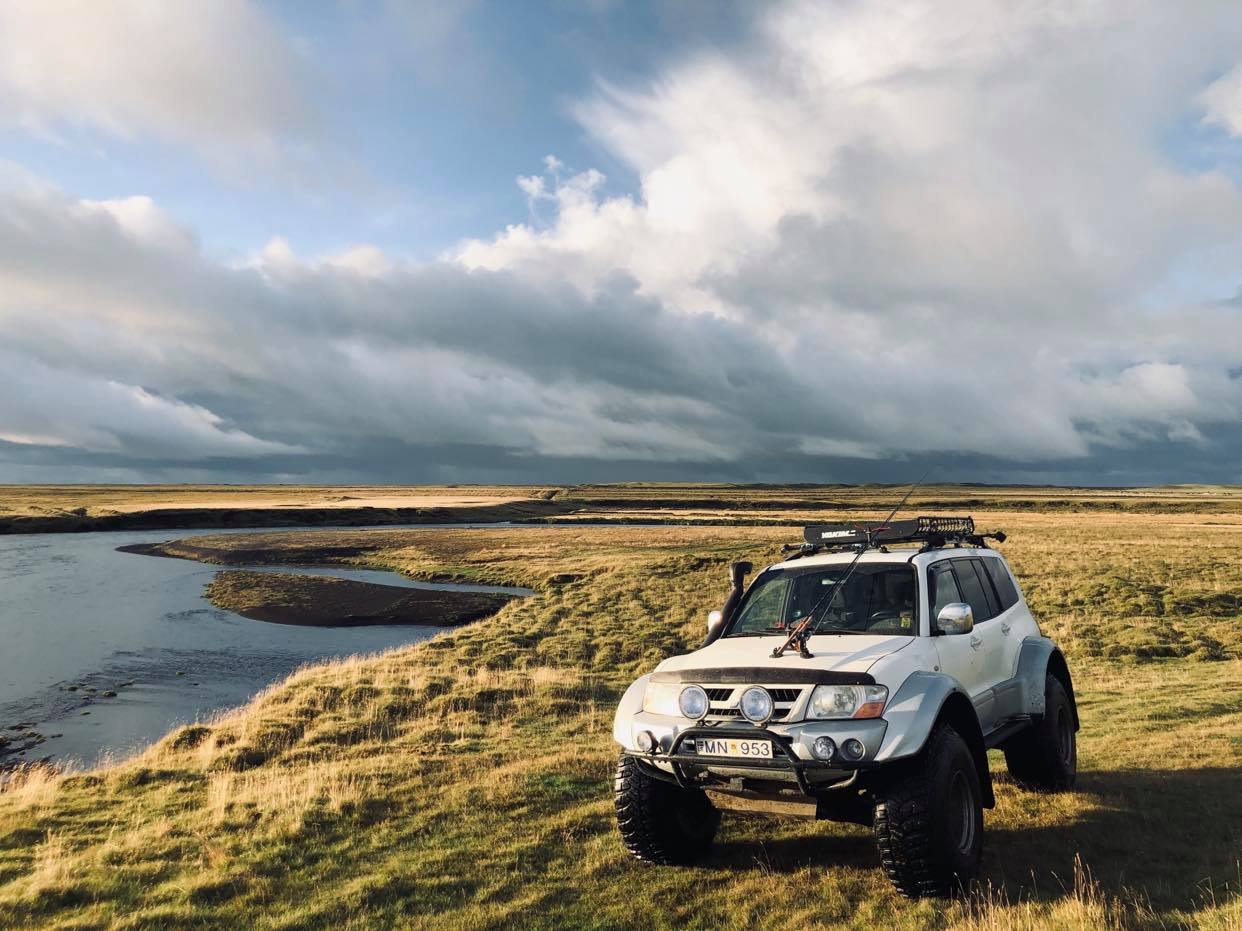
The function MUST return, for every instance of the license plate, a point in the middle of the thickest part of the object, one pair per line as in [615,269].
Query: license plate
[723,746]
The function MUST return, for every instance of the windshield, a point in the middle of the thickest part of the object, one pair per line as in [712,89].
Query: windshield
[877,599]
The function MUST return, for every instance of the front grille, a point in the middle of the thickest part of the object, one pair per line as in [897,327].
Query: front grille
[723,701]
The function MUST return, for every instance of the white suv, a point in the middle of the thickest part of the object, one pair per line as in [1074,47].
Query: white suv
[856,681]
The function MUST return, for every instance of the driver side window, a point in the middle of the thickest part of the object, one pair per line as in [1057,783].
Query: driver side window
[943,589]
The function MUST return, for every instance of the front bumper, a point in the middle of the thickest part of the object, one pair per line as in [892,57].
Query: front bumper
[791,760]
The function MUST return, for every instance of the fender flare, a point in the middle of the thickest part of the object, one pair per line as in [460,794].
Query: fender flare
[1038,658]
[922,702]
[631,704]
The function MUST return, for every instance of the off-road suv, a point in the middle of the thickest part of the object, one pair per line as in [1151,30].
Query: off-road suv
[860,681]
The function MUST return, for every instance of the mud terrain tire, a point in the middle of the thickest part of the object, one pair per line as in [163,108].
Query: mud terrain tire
[929,819]
[1044,757]
[661,822]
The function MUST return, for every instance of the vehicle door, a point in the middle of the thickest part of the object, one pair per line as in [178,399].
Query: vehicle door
[987,640]
[1015,623]
[959,653]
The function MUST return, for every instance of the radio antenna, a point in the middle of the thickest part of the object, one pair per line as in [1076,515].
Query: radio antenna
[799,635]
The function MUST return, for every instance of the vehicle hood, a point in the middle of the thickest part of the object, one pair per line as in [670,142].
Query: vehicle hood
[835,652]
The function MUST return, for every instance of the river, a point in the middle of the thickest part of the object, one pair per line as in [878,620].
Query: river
[78,619]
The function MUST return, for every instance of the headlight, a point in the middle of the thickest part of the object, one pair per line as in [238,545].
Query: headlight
[672,699]
[756,705]
[847,701]
[661,698]
[693,702]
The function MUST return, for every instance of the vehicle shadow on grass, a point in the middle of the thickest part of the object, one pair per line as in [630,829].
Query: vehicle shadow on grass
[1171,836]
[788,845]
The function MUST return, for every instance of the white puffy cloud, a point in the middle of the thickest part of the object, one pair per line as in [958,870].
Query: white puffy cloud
[958,200]
[1222,102]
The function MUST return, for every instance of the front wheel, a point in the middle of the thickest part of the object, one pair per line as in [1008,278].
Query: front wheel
[1045,756]
[661,822]
[929,822]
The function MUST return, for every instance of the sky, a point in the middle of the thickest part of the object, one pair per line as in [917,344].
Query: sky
[588,240]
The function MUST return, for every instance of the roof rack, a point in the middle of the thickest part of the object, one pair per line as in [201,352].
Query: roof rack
[932,532]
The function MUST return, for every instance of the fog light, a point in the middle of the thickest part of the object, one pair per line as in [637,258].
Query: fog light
[645,741]
[853,749]
[693,702]
[824,748]
[756,705]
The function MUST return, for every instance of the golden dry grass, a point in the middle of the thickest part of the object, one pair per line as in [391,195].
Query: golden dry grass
[464,782]
[96,500]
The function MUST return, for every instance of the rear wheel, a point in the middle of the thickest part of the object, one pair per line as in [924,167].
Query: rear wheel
[1044,757]
[929,823]
[661,822]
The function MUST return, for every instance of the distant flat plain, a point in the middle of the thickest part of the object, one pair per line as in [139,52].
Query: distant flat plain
[44,508]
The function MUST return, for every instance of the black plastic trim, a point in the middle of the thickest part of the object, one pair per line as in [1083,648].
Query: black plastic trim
[762,675]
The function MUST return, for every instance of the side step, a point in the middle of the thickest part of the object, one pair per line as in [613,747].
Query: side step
[1008,729]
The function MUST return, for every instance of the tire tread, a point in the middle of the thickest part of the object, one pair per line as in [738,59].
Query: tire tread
[647,817]
[903,825]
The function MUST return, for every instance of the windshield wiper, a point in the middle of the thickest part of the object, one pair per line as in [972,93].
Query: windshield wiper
[768,632]
[839,630]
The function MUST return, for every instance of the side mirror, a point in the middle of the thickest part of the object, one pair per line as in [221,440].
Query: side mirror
[713,618]
[956,618]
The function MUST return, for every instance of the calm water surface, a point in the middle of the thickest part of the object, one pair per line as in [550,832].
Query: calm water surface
[77,615]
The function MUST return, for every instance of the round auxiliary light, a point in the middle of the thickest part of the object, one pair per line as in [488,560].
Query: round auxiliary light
[824,748]
[693,702]
[645,741]
[756,705]
[853,749]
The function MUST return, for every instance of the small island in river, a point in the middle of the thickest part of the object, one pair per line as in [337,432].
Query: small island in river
[323,601]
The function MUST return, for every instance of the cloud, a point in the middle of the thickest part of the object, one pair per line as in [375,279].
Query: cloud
[62,409]
[877,232]
[216,76]
[1222,102]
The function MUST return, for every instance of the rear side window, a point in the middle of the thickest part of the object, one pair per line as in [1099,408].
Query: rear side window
[943,589]
[972,589]
[989,592]
[1005,588]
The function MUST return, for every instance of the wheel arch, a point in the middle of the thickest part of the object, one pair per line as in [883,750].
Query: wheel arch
[924,702]
[1058,667]
[958,712]
[1038,659]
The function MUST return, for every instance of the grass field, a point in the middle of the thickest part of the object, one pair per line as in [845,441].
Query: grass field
[465,782]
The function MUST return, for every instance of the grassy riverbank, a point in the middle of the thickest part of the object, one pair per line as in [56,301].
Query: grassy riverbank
[465,782]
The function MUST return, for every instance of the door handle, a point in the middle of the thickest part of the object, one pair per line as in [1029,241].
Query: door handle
[1004,627]
[975,642]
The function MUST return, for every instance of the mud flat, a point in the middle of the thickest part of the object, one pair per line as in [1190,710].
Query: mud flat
[323,601]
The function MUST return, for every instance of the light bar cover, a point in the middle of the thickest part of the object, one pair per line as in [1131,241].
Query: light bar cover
[896,531]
